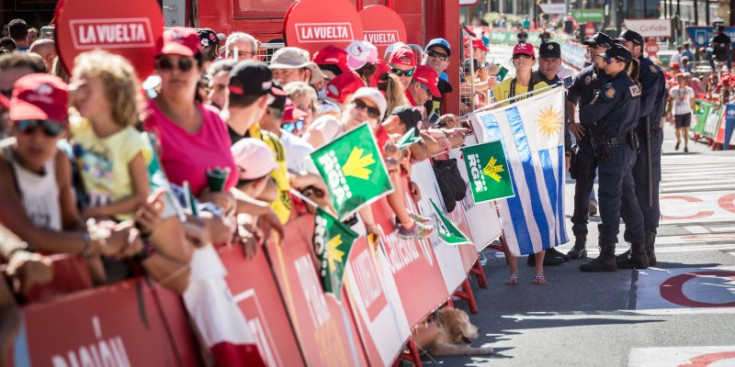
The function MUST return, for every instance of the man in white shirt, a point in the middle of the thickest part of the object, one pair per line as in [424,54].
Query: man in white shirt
[682,98]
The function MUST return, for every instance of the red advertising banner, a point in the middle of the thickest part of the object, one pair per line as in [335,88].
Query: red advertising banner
[382,26]
[315,24]
[324,327]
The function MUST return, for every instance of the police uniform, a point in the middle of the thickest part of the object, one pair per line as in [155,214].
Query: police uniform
[613,114]
[653,101]
[584,163]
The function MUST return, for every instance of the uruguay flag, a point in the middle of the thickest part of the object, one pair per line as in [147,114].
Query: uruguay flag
[532,132]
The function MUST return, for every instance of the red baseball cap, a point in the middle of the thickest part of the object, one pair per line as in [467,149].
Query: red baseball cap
[291,113]
[524,49]
[732,80]
[381,67]
[674,65]
[427,76]
[403,56]
[4,103]
[477,43]
[180,41]
[343,86]
[332,55]
[40,97]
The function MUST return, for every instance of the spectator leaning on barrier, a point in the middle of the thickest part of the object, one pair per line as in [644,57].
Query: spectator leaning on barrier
[241,46]
[13,66]
[438,52]
[403,65]
[523,60]
[304,98]
[423,87]
[46,48]
[395,94]
[18,29]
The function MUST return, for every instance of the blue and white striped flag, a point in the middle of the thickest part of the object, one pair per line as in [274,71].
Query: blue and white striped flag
[532,132]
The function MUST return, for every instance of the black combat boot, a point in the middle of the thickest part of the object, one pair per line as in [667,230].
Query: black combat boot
[554,252]
[623,256]
[650,241]
[604,262]
[578,251]
[550,259]
[636,258]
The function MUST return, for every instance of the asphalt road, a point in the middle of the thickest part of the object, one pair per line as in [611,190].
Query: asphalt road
[662,316]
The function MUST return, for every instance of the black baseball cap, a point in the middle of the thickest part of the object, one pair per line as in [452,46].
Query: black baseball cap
[279,100]
[632,36]
[410,116]
[209,38]
[598,39]
[617,52]
[252,78]
[549,50]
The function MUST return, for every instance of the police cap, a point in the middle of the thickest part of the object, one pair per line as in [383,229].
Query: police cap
[617,52]
[631,36]
[549,50]
[598,39]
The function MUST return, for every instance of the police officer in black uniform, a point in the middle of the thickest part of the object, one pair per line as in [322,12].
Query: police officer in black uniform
[647,168]
[584,164]
[613,114]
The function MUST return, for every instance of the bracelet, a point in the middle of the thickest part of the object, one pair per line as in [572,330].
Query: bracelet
[148,250]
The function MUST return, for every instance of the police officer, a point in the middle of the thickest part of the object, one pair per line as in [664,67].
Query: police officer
[647,168]
[583,166]
[613,114]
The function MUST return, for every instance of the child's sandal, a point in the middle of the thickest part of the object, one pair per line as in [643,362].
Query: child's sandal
[512,280]
[539,279]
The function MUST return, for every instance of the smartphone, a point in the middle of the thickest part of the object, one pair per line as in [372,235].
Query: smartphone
[434,118]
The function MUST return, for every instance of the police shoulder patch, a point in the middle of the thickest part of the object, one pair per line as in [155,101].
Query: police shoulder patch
[652,68]
[635,91]
[610,92]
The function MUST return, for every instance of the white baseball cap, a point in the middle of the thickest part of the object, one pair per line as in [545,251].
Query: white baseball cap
[360,53]
[373,95]
[253,159]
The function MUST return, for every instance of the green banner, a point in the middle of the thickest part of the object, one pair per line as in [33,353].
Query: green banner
[332,241]
[588,15]
[353,169]
[702,110]
[712,125]
[448,232]
[408,139]
[488,171]
[511,38]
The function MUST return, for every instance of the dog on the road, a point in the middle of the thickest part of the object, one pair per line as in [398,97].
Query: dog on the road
[455,334]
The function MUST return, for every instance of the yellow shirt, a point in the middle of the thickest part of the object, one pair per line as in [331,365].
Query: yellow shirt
[103,162]
[502,91]
[282,205]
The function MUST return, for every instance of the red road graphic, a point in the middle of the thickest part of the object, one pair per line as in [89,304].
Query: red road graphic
[727,202]
[686,198]
[672,289]
[708,359]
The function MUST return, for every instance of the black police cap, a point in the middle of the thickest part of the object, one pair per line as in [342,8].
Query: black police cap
[631,36]
[617,52]
[549,50]
[598,39]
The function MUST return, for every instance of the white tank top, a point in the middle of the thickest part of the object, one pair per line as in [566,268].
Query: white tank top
[40,193]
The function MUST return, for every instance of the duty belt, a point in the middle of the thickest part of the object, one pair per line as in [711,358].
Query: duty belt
[609,142]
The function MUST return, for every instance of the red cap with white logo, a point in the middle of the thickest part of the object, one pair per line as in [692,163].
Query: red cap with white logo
[427,76]
[477,43]
[39,97]
[524,49]
[332,55]
[403,56]
[180,41]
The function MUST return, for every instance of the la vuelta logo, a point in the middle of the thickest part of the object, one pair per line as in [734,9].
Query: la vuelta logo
[381,38]
[320,32]
[89,34]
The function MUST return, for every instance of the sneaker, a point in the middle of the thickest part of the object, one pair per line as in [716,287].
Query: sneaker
[418,231]
[419,218]
[593,209]
[676,147]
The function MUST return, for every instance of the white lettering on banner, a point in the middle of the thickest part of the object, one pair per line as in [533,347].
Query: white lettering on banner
[368,283]
[320,32]
[312,291]
[478,177]
[262,341]
[381,37]
[335,178]
[110,352]
[650,27]
[90,34]
[402,253]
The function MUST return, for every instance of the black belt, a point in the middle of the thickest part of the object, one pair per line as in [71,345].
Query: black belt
[610,141]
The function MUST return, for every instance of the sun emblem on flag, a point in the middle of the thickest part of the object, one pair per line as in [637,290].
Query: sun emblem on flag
[550,122]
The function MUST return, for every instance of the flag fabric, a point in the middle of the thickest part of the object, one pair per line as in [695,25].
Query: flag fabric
[532,134]
[353,169]
[447,231]
[333,241]
[407,139]
[488,171]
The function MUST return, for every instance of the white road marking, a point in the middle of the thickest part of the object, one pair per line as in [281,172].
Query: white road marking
[696,229]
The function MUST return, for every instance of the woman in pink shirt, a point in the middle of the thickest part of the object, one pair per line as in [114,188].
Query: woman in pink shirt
[192,136]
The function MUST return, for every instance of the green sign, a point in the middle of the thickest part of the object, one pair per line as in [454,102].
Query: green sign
[448,232]
[702,110]
[511,38]
[487,169]
[353,169]
[712,125]
[408,139]
[588,15]
[332,241]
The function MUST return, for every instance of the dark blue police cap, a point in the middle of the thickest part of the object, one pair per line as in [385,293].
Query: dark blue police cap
[617,52]
[549,50]
[598,39]
[631,36]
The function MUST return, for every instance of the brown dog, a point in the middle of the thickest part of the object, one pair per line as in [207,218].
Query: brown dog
[455,334]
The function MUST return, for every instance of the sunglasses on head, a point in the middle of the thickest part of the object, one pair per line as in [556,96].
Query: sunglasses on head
[49,127]
[166,64]
[293,126]
[372,111]
[438,55]
[400,72]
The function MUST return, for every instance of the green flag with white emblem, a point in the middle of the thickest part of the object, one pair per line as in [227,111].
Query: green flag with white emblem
[488,171]
[332,241]
[447,231]
[353,170]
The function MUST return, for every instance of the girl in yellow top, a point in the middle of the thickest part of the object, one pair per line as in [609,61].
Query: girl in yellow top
[523,60]
[110,152]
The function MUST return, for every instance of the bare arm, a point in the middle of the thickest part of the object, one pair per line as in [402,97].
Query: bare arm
[139,178]
[69,212]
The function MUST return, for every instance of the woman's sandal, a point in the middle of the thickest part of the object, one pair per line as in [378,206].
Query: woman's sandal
[512,280]
[539,279]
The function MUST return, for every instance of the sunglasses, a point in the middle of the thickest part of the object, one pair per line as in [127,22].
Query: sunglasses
[521,56]
[372,111]
[438,55]
[49,127]
[293,126]
[400,72]
[166,64]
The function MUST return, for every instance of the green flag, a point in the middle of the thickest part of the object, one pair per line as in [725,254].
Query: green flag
[407,139]
[488,171]
[448,232]
[353,169]
[332,241]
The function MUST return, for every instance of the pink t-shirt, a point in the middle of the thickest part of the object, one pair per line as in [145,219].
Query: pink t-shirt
[185,156]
